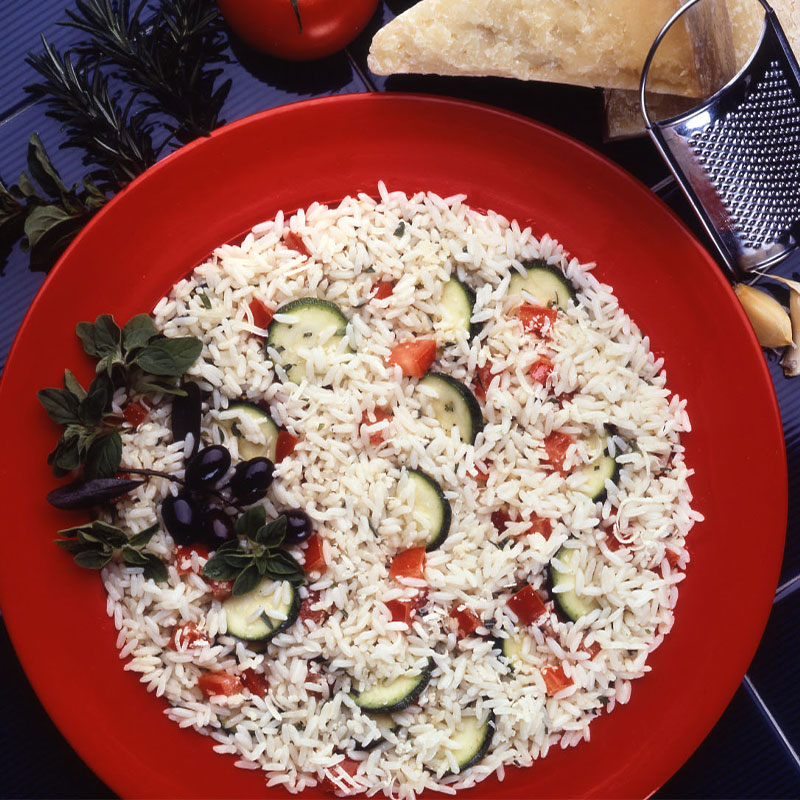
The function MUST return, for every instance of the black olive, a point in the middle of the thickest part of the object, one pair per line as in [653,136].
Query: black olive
[207,467]
[182,518]
[251,479]
[217,527]
[298,526]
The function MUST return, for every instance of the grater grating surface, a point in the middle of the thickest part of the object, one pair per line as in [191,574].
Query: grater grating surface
[737,156]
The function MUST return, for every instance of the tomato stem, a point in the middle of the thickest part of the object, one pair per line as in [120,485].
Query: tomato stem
[296,7]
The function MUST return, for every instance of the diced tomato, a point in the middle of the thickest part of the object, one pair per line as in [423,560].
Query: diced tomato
[542,525]
[555,679]
[467,621]
[188,635]
[592,649]
[255,682]
[527,605]
[537,319]
[294,242]
[556,446]
[401,610]
[262,314]
[672,557]
[378,437]
[613,543]
[500,519]
[185,553]
[408,564]
[221,590]
[565,397]
[414,358]
[315,615]
[481,473]
[483,380]
[134,414]
[346,767]
[220,683]
[285,445]
[540,370]
[315,558]
[382,289]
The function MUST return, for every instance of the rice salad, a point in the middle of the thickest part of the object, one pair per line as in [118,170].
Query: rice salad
[499,517]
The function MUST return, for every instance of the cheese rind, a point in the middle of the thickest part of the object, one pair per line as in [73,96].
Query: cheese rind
[583,42]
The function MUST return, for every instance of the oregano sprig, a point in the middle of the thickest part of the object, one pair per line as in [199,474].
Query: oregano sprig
[260,555]
[94,544]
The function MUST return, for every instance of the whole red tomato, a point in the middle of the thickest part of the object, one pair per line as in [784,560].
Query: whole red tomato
[299,30]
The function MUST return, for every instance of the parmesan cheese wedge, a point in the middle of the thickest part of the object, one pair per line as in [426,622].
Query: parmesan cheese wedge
[583,42]
[623,115]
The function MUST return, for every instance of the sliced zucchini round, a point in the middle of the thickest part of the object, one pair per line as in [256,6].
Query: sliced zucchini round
[385,723]
[263,612]
[395,695]
[233,427]
[315,321]
[545,282]
[454,405]
[431,508]
[568,602]
[511,647]
[456,306]
[598,471]
[472,740]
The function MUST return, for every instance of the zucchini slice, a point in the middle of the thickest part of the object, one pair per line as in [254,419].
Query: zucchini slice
[568,602]
[545,282]
[431,508]
[456,305]
[385,722]
[232,426]
[397,694]
[315,321]
[597,472]
[265,611]
[511,648]
[454,405]
[472,740]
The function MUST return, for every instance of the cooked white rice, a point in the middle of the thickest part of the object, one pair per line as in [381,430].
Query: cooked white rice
[305,726]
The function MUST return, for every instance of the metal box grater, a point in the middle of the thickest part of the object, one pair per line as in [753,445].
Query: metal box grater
[737,155]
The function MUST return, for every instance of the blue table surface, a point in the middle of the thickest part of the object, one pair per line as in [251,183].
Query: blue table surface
[752,752]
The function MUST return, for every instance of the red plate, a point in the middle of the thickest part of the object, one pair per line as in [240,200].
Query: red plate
[212,190]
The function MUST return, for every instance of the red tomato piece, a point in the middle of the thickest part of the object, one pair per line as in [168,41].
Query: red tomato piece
[555,679]
[221,590]
[527,605]
[467,621]
[188,636]
[414,358]
[613,543]
[285,445]
[672,557]
[294,242]
[408,564]
[378,437]
[500,519]
[401,610]
[185,553]
[483,380]
[300,31]
[592,649]
[262,314]
[556,446]
[340,771]
[542,525]
[315,558]
[318,615]
[540,370]
[481,474]
[382,289]
[220,683]
[134,414]
[537,319]
[255,682]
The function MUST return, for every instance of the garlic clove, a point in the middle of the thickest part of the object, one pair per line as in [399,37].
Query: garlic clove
[769,319]
[791,356]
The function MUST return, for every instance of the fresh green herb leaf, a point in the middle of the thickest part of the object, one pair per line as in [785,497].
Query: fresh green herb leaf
[150,387]
[92,559]
[282,566]
[133,557]
[247,581]
[61,405]
[169,357]
[238,559]
[100,338]
[155,569]
[97,402]
[73,386]
[218,570]
[400,229]
[249,523]
[66,456]
[72,546]
[273,533]
[142,538]
[138,331]
[104,456]
[204,299]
